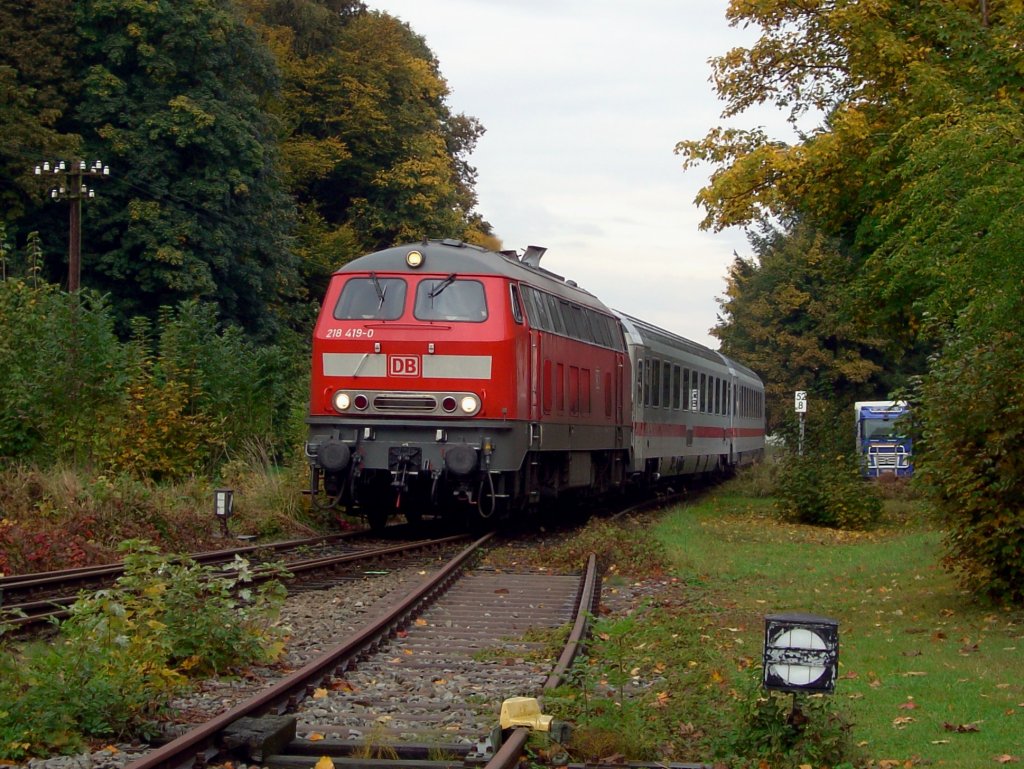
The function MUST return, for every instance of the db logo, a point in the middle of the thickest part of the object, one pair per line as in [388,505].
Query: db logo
[403,365]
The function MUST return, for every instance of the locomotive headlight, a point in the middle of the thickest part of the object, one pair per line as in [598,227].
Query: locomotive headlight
[342,401]
[470,404]
[414,259]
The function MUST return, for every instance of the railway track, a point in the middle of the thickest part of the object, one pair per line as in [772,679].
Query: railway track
[34,599]
[458,628]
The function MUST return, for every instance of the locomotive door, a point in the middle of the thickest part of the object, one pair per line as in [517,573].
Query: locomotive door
[534,376]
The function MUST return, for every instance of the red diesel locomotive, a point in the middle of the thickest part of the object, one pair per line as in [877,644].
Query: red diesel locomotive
[448,379]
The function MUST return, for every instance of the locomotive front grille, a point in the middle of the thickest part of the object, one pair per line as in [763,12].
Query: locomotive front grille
[405,403]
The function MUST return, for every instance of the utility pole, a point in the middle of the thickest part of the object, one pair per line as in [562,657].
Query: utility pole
[71,186]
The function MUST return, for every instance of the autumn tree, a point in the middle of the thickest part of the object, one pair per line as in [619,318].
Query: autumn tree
[913,172]
[170,97]
[36,88]
[373,154]
[783,315]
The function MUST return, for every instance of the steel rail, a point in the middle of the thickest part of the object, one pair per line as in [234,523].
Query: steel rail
[30,613]
[512,748]
[54,579]
[200,745]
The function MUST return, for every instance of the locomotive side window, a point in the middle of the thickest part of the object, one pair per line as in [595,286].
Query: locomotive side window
[450,299]
[371,298]
[555,311]
[517,310]
[584,391]
[558,316]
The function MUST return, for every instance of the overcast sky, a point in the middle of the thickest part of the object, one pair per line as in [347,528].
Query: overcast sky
[583,102]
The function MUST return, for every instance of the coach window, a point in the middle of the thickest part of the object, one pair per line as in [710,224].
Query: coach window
[703,393]
[686,389]
[517,309]
[371,298]
[450,299]
[655,382]
[666,385]
[677,389]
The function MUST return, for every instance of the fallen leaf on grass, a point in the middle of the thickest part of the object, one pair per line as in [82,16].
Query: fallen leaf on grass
[902,721]
[961,728]
[908,705]
[1006,758]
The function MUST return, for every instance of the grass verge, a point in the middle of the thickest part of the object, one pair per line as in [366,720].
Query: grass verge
[929,675]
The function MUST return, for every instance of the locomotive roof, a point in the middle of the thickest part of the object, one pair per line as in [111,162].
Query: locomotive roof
[454,256]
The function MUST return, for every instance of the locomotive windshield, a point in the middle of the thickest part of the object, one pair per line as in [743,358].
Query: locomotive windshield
[450,299]
[372,297]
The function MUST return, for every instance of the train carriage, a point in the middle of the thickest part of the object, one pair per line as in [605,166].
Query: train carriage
[695,411]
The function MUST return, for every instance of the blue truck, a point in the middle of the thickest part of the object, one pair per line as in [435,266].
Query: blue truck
[883,440]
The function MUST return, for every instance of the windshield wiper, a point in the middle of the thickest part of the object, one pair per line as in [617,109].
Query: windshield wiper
[376,287]
[441,286]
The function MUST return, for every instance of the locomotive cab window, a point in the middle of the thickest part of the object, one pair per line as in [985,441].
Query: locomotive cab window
[371,298]
[517,310]
[450,299]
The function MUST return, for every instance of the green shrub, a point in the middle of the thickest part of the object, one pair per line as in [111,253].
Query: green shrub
[822,486]
[61,366]
[972,451]
[123,652]
[775,729]
[827,491]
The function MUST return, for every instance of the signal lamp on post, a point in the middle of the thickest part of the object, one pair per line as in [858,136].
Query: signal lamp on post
[223,506]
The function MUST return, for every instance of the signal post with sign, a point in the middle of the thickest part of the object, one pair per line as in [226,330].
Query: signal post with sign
[800,405]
